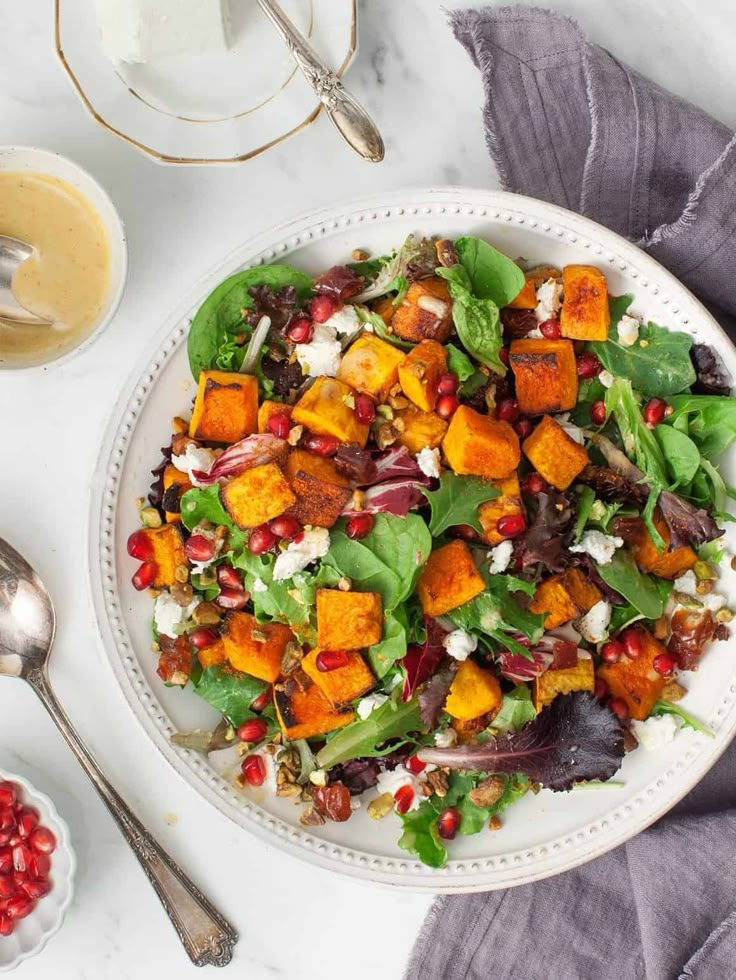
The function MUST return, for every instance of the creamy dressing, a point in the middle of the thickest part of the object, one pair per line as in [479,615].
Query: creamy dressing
[66,279]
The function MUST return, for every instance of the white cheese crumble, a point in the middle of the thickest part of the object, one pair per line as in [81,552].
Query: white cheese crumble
[606,379]
[535,333]
[168,614]
[460,644]
[501,557]
[628,330]
[368,704]
[344,321]
[572,430]
[601,547]
[259,586]
[314,544]
[549,300]
[321,356]
[687,584]
[446,738]
[428,461]
[656,731]
[391,782]
[194,458]
[594,624]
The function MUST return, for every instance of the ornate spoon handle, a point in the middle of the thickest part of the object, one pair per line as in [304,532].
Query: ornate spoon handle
[349,117]
[207,937]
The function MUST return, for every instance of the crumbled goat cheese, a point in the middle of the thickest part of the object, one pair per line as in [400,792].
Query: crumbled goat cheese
[194,458]
[428,461]
[606,379]
[460,644]
[601,547]
[321,356]
[344,321]
[168,614]
[501,557]
[574,431]
[368,704]
[594,625]
[687,584]
[314,544]
[446,738]
[259,586]
[628,330]
[391,782]
[535,333]
[549,300]
[656,731]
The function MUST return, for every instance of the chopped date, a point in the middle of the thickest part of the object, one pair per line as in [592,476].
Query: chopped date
[692,630]
[333,801]
[713,378]
[517,323]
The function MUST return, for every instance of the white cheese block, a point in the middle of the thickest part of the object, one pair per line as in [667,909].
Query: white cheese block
[142,30]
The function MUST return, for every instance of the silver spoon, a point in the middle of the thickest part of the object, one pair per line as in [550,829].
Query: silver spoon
[27,626]
[13,253]
[349,117]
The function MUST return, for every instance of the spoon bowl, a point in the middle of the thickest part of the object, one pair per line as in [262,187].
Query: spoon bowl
[13,253]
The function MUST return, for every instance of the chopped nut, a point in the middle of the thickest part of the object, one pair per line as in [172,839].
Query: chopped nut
[206,614]
[630,740]
[288,789]
[293,438]
[704,587]
[382,805]
[150,517]
[291,761]
[688,601]
[704,572]
[398,402]
[181,573]
[488,792]
[643,343]
[446,252]
[291,658]
[673,691]
[399,425]
[179,425]
[360,255]
[318,777]
[181,593]
[179,677]
[140,503]
[221,532]
[155,647]
[395,389]
[438,782]
[495,823]
[733,563]
[358,499]
[349,400]
[208,576]
[724,615]
[311,817]
[284,775]
[385,435]
[385,411]
[345,584]
[662,627]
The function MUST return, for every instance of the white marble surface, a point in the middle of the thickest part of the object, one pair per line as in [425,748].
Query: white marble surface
[294,921]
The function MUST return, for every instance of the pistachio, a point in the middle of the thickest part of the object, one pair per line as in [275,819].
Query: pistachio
[488,792]
[318,777]
[179,677]
[288,789]
[208,576]
[381,806]
[150,517]
[398,402]
[259,636]
[673,691]
[311,817]
[345,584]
[360,255]
[724,615]
[181,573]
[181,593]
[704,572]
[385,411]
[206,614]
[495,822]
[349,401]
[688,601]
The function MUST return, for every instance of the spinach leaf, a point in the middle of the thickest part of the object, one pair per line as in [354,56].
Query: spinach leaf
[642,591]
[421,837]
[622,616]
[230,693]
[457,501]
[689,721]
[586,499]
[711,420]
[517,709]
[220,315]
[379,327]
[205,505]
[459,363]
[492,274]
[477,321]
[680,452]
[393,644]
[362,738]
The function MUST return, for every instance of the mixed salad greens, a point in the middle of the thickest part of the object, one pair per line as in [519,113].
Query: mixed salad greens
[441,530]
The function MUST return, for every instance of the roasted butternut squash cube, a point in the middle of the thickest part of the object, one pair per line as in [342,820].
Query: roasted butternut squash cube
[257,495]
[385,308]
[548,685]
[343,684]
[474,691]
[269,408]
[527,298]
[420,429]
[545,373]
[326,408]
[420,372]
[425,313]
[175,484]
[226,406]
[670,563]
[348,620]
[507,504]
[321,467]
[467,728]
[554,454]
[636,681]
[449,578]
[564,597]
[212,655]
[307,713]
[321,490]
[371,365]
[481,445]
[585,312]
[168,552]
[253,647]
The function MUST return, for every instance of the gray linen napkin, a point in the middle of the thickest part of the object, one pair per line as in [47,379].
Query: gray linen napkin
[568,123]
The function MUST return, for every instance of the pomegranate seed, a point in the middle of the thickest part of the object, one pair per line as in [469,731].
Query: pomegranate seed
[252,730]
[321,308]
[7,886]
[404,797]
[415,765]
[588,366]
[365,409]
[6,925]
[6,860]
[5,837]
[261,539]
[322,445]
[448,822]
[27,821]
[612,652]
[654,411]
[511,525]
[446,406]
[40,866]
[232,599]
[22,856]
[42,840]
[503,355]
[20,906]
[198,547]
[279,424]
[550,329]
[632,644]
[466,532]
[254,770]
[601,689]
[262,701]
[140,546]
[8,794]
[523,428]
[665,664]
[598,412]
[300,331]
[145,576]
[202,637]
[359,525]
[285,526]
[7,819]
[619,707]
[448,383]
[331,660]
[36,889]
[507,410]
[228,578]
[534,483]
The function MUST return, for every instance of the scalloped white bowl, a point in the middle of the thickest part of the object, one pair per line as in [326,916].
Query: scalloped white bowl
[32,933]
[542,835]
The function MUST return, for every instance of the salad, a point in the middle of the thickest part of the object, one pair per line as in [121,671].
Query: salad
[440,531]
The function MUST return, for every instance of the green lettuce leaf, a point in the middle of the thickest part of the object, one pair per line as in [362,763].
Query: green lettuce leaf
[517,709]
[421,838]
[711,421]
[689,721]
[644,592]
[456,501]
[394,719]
[230,693]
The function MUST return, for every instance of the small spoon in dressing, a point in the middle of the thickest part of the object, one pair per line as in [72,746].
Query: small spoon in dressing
[13,253]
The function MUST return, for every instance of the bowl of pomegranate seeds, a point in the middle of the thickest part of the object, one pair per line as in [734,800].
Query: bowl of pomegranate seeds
[37,867]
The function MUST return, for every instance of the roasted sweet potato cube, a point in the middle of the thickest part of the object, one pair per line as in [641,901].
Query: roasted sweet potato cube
[212,655]
[474,691]
[348,620]
[636,681]
[343,684]
[467,728]
[527,298]
[425,313]
[420,429]
[168,552]
[257,495]
[385,308]
[481,445]
[507,504]
[175,484]
[545,373]
[449,578]
[420,372]
[585,313]
[321,490]
[670,563]
[253,647]
[554,454]
[564,597]
[371,365]
[307,713]
[327,408]
[226,406]
[322,467]
[548,685]
[269,408]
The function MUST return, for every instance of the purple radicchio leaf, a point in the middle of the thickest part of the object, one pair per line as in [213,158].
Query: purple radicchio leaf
[432,698]
[542,542]
[392,497]
[255,450]
[574,738]
[339,282]
[520,669]
[423,659]
[713,378]
[356,463]
[396,461]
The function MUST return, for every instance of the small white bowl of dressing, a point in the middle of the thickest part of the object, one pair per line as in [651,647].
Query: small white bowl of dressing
[76,276]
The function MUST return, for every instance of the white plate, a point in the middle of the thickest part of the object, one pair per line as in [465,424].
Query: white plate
[541,835]
[219,108]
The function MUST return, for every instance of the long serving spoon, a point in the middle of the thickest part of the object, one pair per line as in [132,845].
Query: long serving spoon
[349,117]
[27,626]
[13,253]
